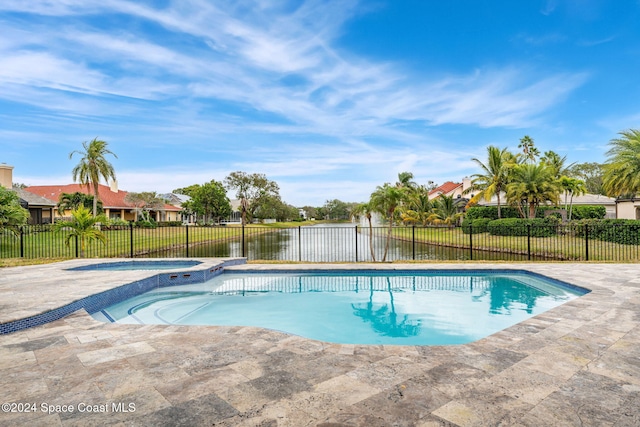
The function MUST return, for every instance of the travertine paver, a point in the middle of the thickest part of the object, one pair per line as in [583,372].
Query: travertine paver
[577,364]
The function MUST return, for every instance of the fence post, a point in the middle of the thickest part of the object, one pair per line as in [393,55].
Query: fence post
[529,241]
[130,239]
[76,238]
[470,241]
[356,242]
[299,243]
[586,242]
[413,242]
[186,236]
[243,248]
[21,242]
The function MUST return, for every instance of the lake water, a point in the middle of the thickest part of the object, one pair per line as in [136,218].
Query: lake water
[335,243]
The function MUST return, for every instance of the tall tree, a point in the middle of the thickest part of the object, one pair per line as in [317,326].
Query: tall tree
[417,207]
[494,176]
[336,209]
[208,200]
[144,203]
[251,189]
[529,150]
[386,200]
[405,180]
[591,173]
[12,215]
[572,187]
[531,185]
[622,168]
[93,166]
[557,163]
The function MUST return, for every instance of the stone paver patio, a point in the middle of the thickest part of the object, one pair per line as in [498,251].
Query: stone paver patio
[575,365]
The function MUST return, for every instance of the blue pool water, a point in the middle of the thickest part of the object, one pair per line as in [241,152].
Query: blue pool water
[139,265]
[359,308]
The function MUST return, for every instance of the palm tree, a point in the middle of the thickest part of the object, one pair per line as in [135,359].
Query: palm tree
[495,175]
[82,226]
[386,200]
[445,211]
[70,201]
[622,168]
[418,207]
[93,166]
[364,209]
[572,187]
[553,159]
[532,184]
[529,150]
[405,180]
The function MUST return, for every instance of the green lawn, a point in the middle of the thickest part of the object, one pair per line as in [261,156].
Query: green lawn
[50,245]
[561,247]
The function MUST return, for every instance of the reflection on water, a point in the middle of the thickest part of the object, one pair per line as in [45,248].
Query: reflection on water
[384,319]
[393,308]
[334,243]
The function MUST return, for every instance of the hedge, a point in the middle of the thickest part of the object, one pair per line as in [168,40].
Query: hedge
[622,231]
[588,211]
[577,212]
[538,227]
[475,226]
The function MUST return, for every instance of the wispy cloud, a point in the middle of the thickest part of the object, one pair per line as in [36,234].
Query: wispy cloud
[215,75]
[334,93]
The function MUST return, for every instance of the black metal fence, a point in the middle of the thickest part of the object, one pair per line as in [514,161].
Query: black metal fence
[339,243]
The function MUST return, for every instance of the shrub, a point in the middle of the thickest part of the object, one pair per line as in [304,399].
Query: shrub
[491,212]
[622,231]
[538,227]
[588,211]
[475,226]
[169,224]
[145,224]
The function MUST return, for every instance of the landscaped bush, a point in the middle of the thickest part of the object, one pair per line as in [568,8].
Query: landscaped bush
[475,226]
[491,212]
[577,212]
[169,224]
[623,231]
[146,224]
[538,227]
[588,211]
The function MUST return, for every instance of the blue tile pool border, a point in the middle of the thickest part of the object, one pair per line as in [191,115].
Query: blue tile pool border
[408,272]
[96,302]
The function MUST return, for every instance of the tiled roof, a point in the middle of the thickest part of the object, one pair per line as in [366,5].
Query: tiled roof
[110,199]
[445,188]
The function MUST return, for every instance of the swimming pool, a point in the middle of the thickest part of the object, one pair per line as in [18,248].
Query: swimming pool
[400,308]
[138,265]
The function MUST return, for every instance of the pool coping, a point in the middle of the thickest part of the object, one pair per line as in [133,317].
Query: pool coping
[575,364]
[121,289]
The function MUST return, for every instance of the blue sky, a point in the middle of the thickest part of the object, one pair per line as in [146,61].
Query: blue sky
[327,98]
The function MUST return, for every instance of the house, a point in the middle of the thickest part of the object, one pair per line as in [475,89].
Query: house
[627,208]
[609,203]
[113,201]
[41,209]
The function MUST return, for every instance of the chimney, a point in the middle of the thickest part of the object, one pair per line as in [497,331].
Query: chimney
[6,176]
[466,183]
[114,186]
